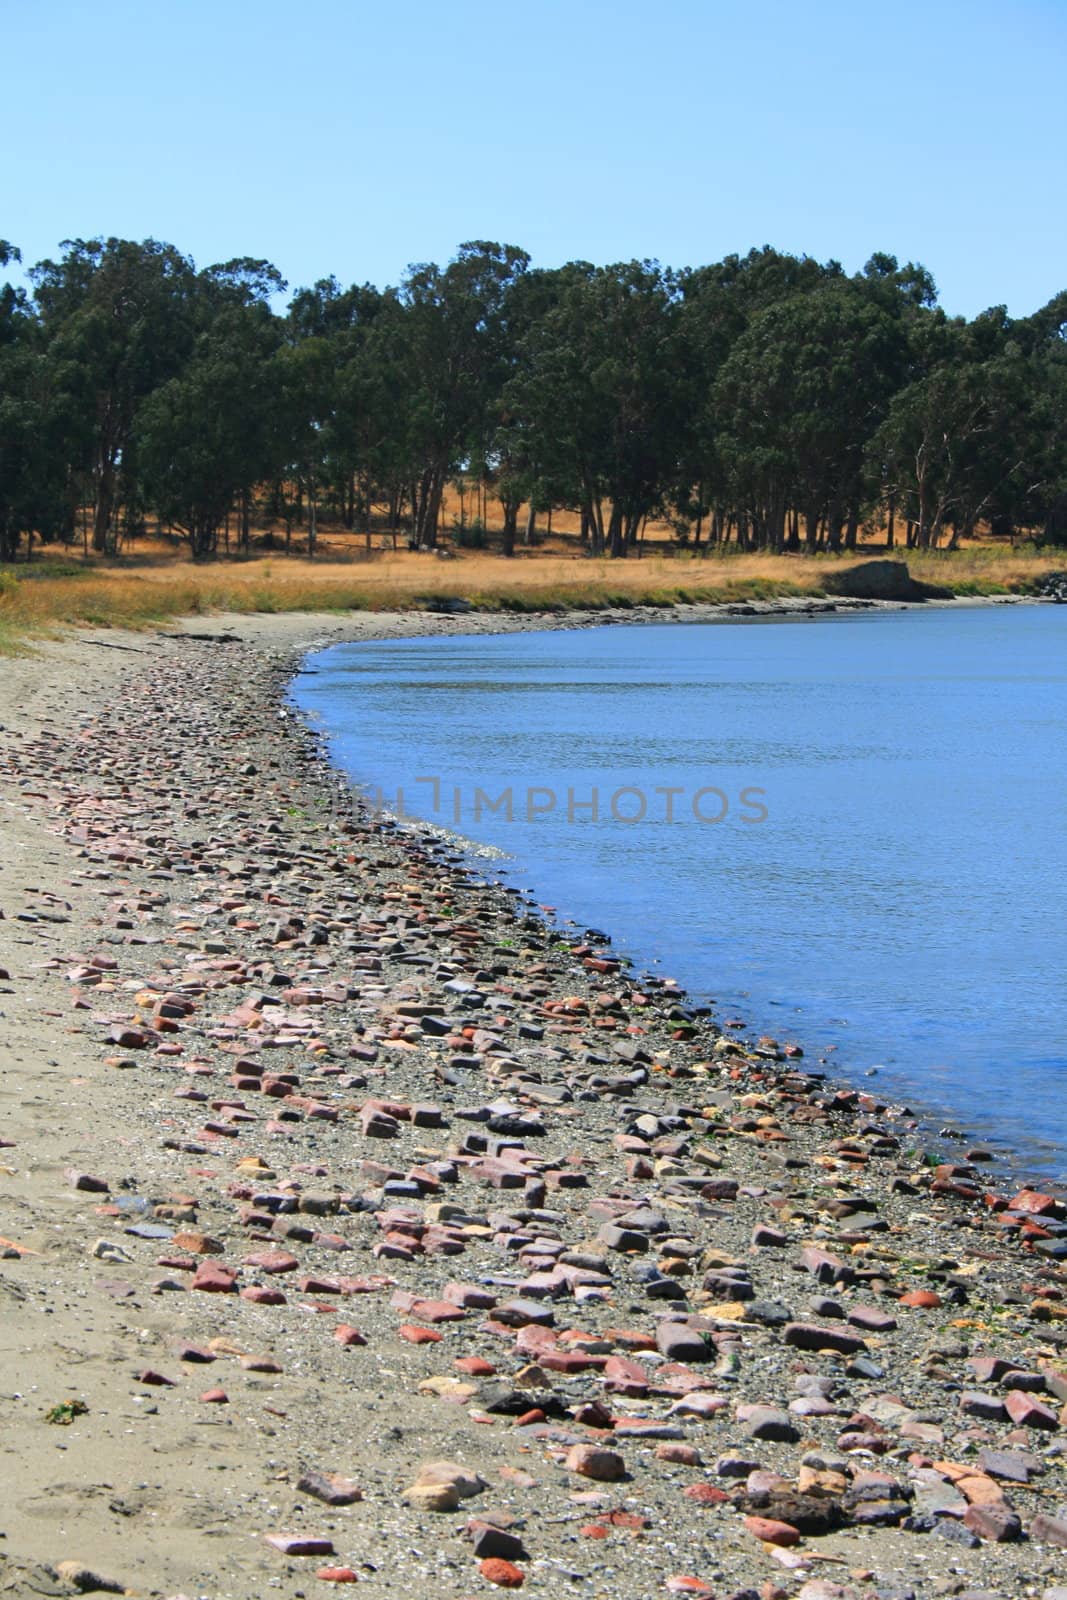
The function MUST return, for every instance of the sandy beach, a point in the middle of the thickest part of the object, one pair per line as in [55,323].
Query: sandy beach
[323,1162]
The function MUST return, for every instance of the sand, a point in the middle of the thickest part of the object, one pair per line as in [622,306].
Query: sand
[165,1493]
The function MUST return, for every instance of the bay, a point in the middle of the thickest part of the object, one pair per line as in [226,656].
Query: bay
[850,831]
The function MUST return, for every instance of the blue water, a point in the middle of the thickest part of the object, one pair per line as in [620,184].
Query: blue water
[902,904]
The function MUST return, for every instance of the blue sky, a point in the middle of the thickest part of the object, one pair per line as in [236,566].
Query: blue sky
[354,138]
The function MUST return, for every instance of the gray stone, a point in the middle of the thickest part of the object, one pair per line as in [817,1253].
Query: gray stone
[628,1240]
[1049,1530]
[767,1422]
[809,1336]
[678,1342]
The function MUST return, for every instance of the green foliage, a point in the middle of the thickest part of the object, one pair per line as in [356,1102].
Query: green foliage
[470,535]
[796,401]
[122,317]
[206,434]
[768,399]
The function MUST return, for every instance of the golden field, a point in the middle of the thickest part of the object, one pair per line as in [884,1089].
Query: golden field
[54,591]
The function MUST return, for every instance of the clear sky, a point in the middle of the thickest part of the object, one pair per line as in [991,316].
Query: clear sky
[351,137]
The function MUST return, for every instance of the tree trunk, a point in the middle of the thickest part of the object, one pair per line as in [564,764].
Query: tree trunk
[811,529]
[776,526]
[923,533]
[531,526]
[511,523]
[433,515]
[616,536]
[597,526]
[200,533]
[365,509]
[104,505]
[426,508]
[833,529]
[852,529]
[1055,528]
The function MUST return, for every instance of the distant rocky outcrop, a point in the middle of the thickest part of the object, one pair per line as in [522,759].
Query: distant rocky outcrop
[447,604]
[1053,586]
[883,580]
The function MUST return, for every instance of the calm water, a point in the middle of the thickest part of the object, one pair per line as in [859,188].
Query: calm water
[902,906]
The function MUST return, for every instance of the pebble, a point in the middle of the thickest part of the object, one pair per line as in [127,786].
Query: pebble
[598,1157]
[504,1573]
[450,1478]
[86,1580]
[771,1531]
[590,1461]
[1052,1530]
[299,1544]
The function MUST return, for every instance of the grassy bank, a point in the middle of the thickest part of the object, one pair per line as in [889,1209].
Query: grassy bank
[42,596]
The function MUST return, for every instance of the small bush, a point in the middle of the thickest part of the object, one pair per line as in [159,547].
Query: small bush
[470,535]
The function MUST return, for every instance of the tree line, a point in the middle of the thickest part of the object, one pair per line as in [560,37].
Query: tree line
[767,400]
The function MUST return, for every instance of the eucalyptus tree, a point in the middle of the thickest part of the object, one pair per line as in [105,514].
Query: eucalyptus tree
[13,305]
[596,396]
[938,427]
[797,400]
[19,417]
[201,438]
[979,434]
[769,391]
[363,417]
[124,314]
[243,281]
[1039,501]
[719,302]
[304,373]
[42,438]
[442,350]
[504,452]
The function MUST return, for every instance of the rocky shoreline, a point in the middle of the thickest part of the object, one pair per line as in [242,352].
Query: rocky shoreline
[509,1267]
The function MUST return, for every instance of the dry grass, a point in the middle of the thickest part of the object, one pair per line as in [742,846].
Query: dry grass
[986,568]
[138,592]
